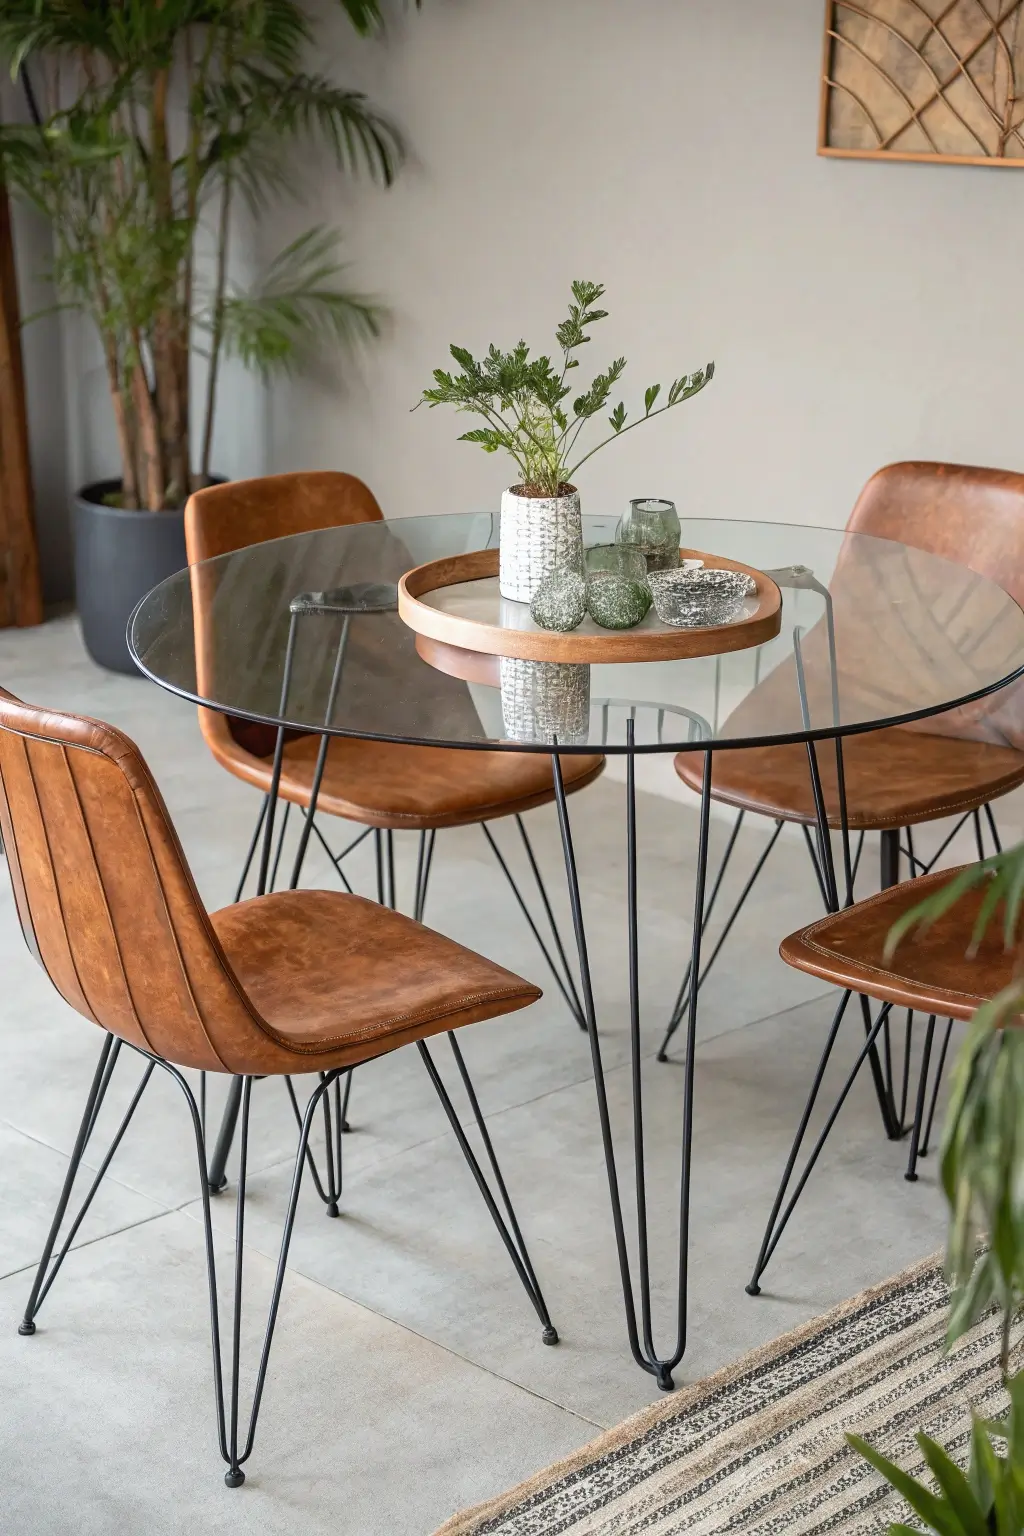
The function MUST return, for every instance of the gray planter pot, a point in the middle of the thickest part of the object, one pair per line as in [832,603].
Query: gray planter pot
[119,557]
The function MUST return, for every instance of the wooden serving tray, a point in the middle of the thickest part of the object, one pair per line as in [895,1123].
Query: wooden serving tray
[456,602]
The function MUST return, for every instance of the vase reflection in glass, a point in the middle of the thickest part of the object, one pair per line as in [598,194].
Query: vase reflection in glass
[545,700]
[652,526]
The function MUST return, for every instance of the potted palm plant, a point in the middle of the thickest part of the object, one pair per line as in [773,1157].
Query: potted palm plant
[151,124]
[983,1180]
[523,401]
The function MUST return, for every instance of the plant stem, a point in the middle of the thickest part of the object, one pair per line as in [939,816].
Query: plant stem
[612,436]
[149,436]
[123,423]
[171,407]
[197,107]
[217,332]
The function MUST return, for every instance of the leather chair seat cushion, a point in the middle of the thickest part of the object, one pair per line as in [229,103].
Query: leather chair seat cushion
[894,777]
[929,972]
[381,784]
[340,979]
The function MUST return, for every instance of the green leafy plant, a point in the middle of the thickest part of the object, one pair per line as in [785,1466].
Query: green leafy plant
[983,1181]
[523,399]
[152,123]
[986,1501]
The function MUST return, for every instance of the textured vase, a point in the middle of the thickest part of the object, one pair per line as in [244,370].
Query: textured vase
[539,534]
[545,700]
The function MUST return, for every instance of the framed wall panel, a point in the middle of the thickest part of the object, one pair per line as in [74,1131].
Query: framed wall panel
[928,80]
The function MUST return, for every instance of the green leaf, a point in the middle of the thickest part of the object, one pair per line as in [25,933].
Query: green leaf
[489,440]
[921,1499]
[984,1472]
[928,912]
[617,419]
[953,1483]
[296,305]
[650,397]
[585,293]
[1015,1423]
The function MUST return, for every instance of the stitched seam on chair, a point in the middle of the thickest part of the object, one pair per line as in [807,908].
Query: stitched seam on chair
[306,1048]
[478,812]
[103,893]
[174,937]
[892,817]
[20,881]
[53,872]
[52,741]
[876,900]
[875,970]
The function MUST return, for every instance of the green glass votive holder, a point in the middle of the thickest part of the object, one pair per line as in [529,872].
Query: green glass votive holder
[652,526]
[616,560]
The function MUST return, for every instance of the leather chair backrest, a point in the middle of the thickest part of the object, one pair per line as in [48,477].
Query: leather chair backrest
[105,898]
[974,517]
[223,518]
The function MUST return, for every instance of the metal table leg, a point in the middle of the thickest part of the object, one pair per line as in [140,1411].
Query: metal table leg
[640,1331]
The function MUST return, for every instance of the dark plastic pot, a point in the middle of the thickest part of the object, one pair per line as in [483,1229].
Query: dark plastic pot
[119,557]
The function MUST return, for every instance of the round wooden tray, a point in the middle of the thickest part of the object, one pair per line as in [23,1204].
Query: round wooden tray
[456,602]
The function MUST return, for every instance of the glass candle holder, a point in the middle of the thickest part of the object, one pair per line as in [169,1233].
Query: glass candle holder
[616,560]
[652,526]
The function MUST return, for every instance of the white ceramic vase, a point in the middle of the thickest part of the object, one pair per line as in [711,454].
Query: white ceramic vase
[539,534]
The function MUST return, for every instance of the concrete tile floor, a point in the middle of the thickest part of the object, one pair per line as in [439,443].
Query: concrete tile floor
[408,1377]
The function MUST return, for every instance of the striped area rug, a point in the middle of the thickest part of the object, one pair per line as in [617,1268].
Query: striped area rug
[759,1449]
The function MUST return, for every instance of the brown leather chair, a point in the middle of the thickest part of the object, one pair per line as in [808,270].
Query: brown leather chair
[936,970]
[901,776]
[380,785]
[298,982]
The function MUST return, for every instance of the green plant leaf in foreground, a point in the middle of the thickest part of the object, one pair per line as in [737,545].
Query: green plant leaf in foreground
[987,1501]
[922,1500]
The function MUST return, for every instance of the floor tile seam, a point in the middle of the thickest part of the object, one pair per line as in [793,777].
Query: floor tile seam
[163,1209]
[101,1237]
[188,1210]
[327,1290]
[765,1018]
[468,1122]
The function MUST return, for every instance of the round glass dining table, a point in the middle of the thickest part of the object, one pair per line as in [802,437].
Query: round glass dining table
[303,634]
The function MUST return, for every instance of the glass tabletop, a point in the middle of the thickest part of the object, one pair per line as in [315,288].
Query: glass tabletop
[303,631]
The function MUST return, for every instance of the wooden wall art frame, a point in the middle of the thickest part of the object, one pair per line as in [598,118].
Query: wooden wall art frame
[936,81]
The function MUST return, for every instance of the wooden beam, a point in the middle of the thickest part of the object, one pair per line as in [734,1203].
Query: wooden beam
[20,595]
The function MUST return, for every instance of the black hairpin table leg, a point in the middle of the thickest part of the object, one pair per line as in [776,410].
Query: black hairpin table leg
[640,1329]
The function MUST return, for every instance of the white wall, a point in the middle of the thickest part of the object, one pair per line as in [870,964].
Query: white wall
[857,312]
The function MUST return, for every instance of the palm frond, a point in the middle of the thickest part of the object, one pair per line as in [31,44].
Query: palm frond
[366,15]
[298,305]
[256,101]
